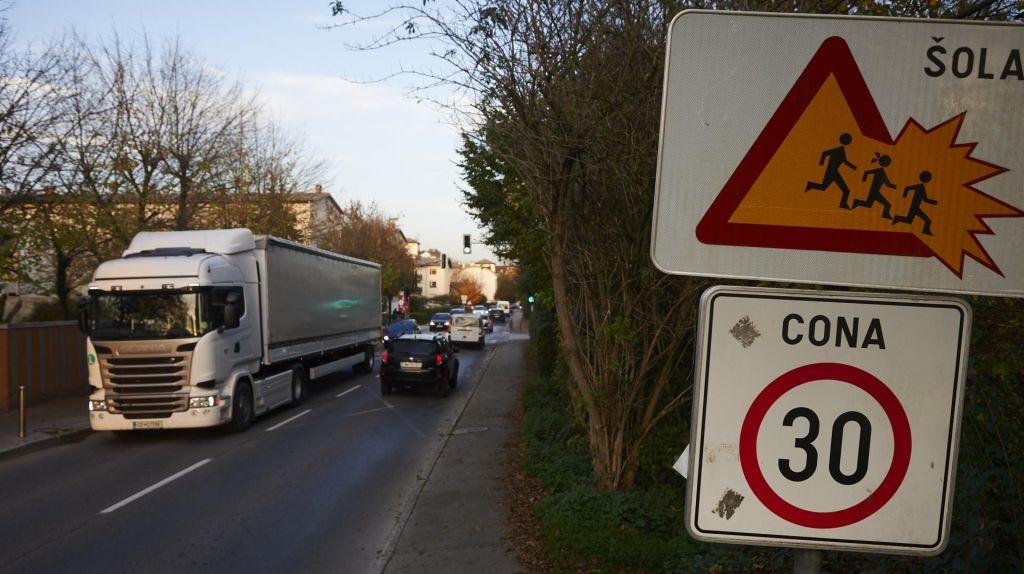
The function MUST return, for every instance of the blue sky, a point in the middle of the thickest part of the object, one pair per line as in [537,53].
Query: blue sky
[381,143]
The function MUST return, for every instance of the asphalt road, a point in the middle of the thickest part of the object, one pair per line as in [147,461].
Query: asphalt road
[315,488]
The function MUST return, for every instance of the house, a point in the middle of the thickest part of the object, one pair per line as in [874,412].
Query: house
[313,212]
[434,274]
[484,273]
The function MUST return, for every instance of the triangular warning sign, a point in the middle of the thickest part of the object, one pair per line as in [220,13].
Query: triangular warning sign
[826,175]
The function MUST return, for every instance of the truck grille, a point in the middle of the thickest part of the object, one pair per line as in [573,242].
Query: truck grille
[145,385]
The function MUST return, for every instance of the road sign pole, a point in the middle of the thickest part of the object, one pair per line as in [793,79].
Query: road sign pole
[806,561]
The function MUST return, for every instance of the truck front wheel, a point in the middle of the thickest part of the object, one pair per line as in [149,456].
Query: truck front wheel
[242,413]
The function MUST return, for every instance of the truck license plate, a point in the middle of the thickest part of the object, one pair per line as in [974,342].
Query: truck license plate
[408,366]
[142,425]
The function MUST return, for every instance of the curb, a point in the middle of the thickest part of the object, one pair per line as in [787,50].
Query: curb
[62,437]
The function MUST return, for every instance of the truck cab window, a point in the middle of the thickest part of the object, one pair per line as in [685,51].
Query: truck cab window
[219,302]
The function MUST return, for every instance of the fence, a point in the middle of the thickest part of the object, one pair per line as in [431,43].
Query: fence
[47,358]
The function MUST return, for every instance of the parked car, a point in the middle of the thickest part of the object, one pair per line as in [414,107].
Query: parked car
[418,361]
[440,322]
[457,311]
[468,328]
[402,327]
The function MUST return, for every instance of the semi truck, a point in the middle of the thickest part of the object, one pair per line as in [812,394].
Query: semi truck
[216,327]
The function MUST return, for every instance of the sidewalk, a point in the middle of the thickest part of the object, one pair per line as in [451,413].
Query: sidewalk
[458,523]
[64,419]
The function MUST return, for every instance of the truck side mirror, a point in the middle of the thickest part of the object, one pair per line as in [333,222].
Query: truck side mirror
[83,314]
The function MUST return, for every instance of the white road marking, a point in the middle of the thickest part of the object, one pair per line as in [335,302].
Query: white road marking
[146,491]
[343,393]
[356,414]
[284,422]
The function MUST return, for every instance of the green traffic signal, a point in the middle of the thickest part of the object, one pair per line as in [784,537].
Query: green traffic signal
[530,298]
[466,248]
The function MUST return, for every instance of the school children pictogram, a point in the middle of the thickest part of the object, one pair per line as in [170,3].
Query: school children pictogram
[836,158]
[919,197]
[879,179]
[917,194]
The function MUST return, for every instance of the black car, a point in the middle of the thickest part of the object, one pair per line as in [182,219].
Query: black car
[403,327]
[419,361]
[441,322]
[496,314]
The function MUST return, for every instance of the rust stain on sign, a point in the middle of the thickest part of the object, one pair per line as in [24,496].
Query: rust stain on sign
[728,504]
[745,332]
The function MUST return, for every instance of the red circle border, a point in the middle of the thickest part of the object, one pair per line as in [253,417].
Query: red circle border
[817,372]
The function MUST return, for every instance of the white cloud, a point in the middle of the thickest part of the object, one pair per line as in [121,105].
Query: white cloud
[383,146]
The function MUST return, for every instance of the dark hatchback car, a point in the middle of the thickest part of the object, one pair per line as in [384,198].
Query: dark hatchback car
[441,322]
[496,314]
[419,361]
[399,328]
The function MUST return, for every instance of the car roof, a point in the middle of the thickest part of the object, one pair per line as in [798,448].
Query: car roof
[442,315]
[421,336]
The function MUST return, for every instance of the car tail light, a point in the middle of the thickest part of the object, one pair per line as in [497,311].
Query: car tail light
[384,357]
[439,360]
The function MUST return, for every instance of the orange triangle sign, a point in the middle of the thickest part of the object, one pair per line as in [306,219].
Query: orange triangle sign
[826,175]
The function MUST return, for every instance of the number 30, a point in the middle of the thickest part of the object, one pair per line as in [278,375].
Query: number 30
[806,443]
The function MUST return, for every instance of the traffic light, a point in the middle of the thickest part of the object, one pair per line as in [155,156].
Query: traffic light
[530,298]
[466,248]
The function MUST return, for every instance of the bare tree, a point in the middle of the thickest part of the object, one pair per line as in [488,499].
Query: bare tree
[364,231]
[29,93]
[133,142]
[567,95]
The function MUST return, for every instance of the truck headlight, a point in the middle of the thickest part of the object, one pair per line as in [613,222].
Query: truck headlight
[203,402]
[97,406]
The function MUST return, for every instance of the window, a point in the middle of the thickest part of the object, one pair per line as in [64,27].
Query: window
[433,284]
[218,301]
[433,271]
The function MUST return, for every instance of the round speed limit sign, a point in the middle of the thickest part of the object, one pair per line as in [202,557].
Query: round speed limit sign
[826,419]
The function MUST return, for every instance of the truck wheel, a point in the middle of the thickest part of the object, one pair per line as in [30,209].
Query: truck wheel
[385,387]
[242,413]
[299,382]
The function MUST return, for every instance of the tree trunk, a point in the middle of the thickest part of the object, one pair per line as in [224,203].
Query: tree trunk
[600,449]
[63,263]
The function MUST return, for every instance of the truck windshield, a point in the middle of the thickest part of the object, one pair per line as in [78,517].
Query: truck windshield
[149,315]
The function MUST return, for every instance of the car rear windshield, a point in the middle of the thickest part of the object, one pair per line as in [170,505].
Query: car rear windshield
[467,321]
[407,346]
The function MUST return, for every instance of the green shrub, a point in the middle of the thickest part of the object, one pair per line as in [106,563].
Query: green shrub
[636,530]
[631,530]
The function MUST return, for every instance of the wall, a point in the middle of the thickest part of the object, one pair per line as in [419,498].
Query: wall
[47,358]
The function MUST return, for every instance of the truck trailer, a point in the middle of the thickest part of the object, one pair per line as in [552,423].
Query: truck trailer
[206,328]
